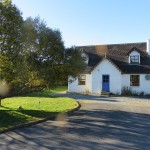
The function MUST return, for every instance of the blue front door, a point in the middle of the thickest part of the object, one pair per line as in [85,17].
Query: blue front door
[105,83]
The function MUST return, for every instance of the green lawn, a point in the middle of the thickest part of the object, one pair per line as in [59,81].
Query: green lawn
[35,106]
[46,92]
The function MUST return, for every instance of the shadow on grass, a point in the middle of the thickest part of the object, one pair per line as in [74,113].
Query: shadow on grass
[10,118]
[38,113]
[9,108]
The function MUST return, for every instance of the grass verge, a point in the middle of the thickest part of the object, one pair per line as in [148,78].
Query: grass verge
[35,106]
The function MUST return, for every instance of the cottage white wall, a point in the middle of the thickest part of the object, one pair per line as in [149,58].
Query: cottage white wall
[144,84]
[134,53]
[74,87]
[106,68]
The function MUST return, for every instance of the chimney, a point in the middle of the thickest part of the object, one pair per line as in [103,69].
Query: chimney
[148,47]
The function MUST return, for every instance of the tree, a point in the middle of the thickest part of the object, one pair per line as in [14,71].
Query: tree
[10,30]
[47,54]
[45,49]
[74,62]
[12,63]
[32,54]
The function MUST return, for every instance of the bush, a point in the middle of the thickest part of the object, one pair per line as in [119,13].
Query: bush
[126,91]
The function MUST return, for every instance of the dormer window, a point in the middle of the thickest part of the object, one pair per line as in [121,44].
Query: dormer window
[134,56]
[134,59]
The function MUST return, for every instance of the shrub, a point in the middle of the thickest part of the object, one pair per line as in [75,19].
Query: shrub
[126,91]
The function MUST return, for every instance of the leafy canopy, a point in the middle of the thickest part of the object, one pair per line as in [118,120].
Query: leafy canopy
[32,55]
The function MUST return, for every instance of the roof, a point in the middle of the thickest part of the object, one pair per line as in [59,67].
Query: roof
[118,54]
[134,49]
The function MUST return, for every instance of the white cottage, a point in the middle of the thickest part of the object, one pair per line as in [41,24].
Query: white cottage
[115,68]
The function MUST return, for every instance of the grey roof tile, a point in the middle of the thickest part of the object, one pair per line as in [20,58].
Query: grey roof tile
[118,54]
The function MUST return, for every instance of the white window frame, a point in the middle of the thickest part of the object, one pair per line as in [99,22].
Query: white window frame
[82,79]
[133,57]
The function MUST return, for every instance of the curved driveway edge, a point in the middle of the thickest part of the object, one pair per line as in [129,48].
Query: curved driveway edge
[127,104]
[90,128]
[39,121]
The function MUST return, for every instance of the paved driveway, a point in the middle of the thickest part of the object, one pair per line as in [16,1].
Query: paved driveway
[97,125]
[127,104]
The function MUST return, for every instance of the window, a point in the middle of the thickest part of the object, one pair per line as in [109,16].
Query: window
[134,80]
[134,59]
[106,78]
[81,79]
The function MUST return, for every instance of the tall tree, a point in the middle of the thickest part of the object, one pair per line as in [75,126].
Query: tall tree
[10,30]
[47,54]
[11,47]
[32,54]
[74,62]
[45,48]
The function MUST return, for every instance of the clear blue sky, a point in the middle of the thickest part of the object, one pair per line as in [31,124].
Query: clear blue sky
[90,22]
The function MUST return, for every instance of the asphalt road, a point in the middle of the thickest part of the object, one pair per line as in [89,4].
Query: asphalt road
[96,126]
